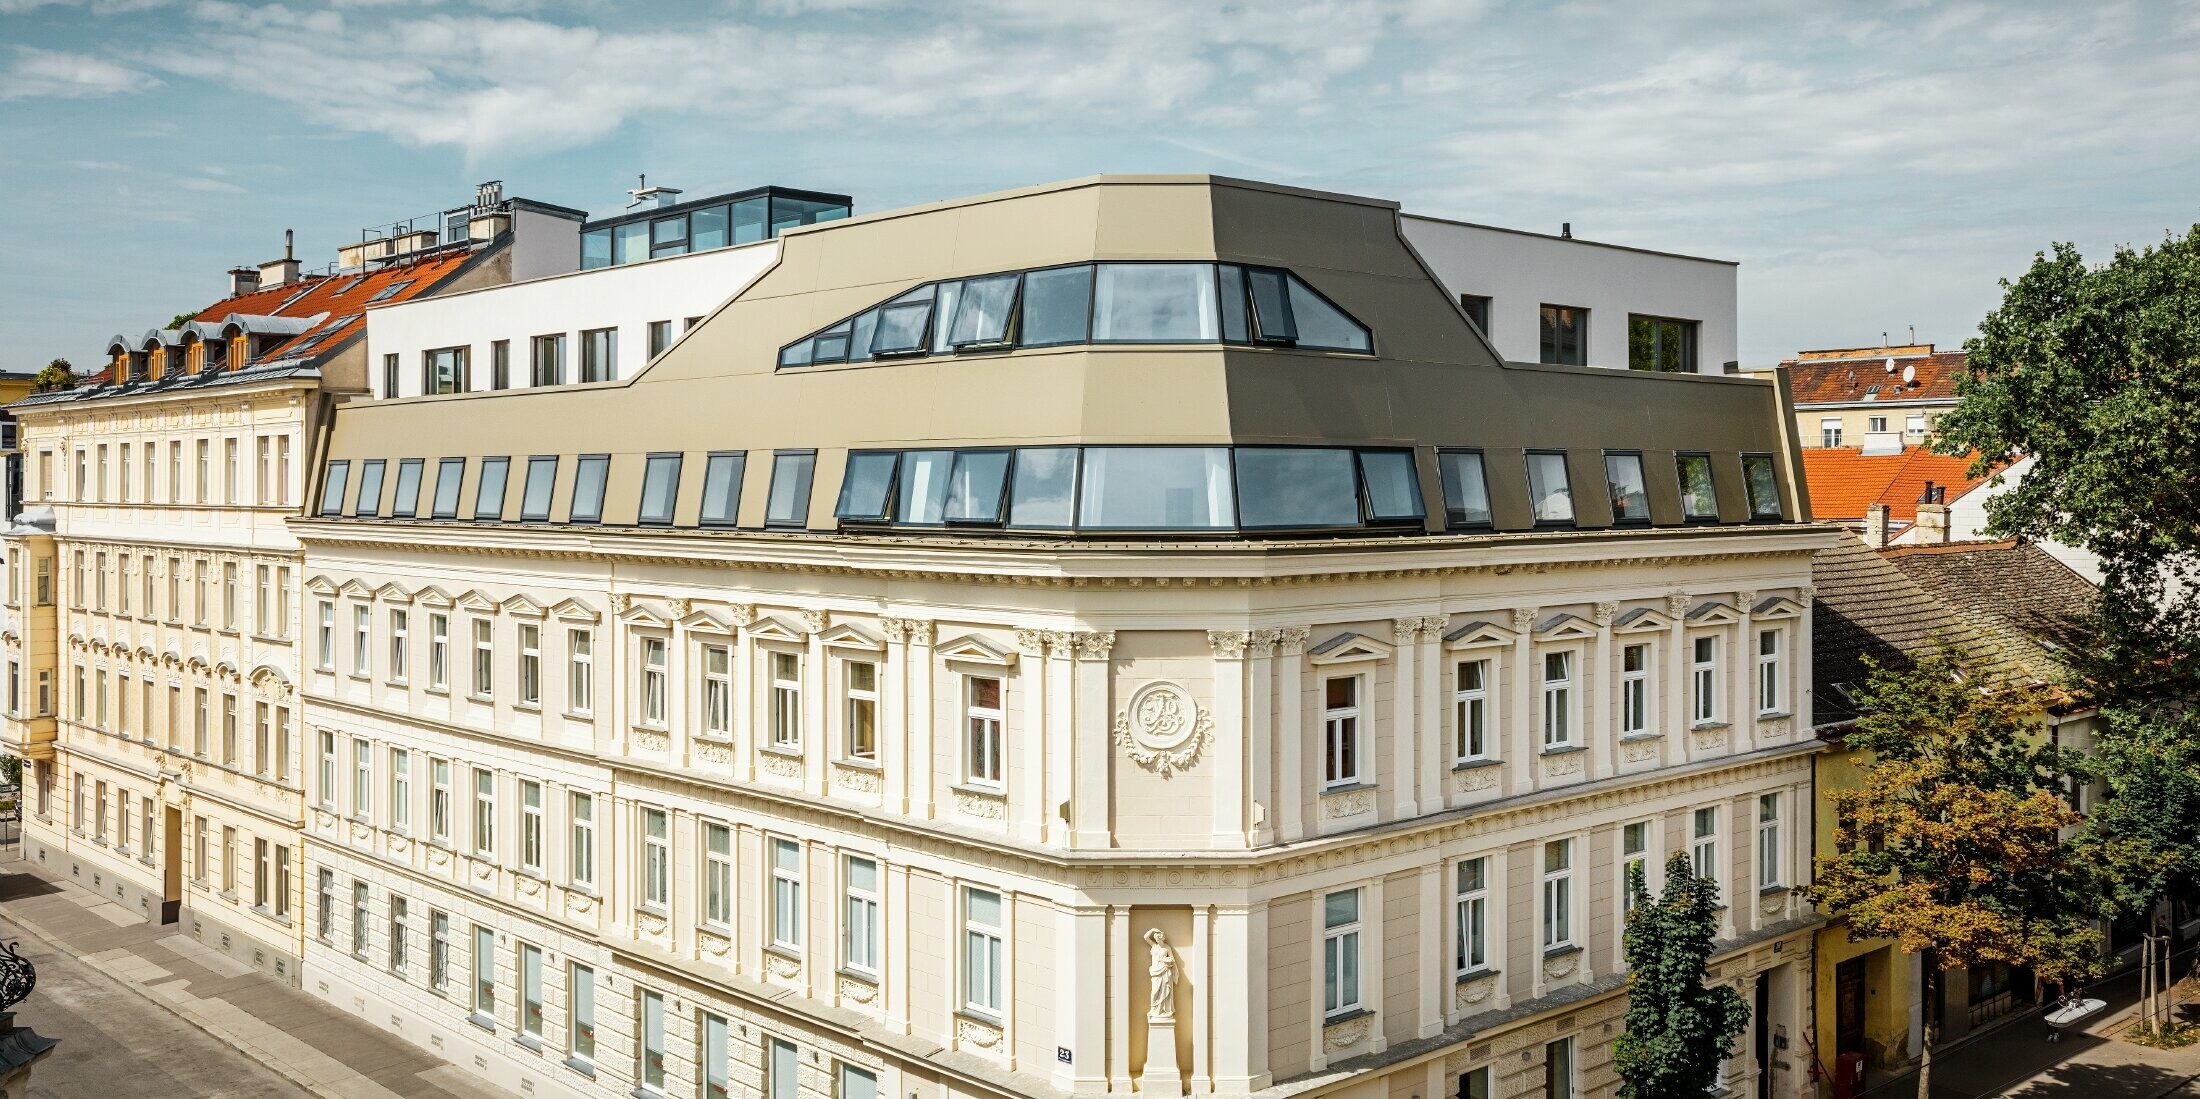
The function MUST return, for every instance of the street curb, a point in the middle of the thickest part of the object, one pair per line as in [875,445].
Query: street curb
[250,1052]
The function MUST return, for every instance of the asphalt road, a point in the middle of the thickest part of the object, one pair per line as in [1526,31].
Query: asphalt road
[115,1044]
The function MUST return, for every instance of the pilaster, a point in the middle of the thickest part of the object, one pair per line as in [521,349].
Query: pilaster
[1229,741]
[1520,756]
[1290,742]
[1091,810]
[1260,737]
[1404,728]
[1600,719]
[1028,742]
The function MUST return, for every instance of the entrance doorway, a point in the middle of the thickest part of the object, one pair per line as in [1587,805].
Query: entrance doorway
[171,873]
[1761,1015]
[1848,1006]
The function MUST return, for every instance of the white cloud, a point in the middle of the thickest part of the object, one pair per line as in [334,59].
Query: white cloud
[36,74]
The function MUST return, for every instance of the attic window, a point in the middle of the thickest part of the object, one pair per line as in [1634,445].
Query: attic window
[390,291]
[293,299]
[351,285]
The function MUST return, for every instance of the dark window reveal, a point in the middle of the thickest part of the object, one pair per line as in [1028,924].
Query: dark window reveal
[590,473]
[660,489]
[722,488]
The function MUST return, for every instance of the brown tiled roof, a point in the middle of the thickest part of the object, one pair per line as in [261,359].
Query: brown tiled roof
[2023,600]
[1842,381]
[1865,606]
[1844,480]
[342,297]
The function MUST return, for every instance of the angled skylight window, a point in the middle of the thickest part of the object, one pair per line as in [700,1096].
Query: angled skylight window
[390,291]
[350,285]
[981,320]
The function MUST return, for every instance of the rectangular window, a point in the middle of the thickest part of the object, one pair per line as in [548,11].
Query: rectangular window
[660,489]
[444,370]
[1703,851]
[786,883]
[789,503]
[369,503]
[1472,901]
[656,859]
[651,696]
[362,780]
[530,991]
[406,501]
[450,476]
[1475,1084]
[500,364]
[282,742]
[1550,492]
[1340,731]
[780,1071]
[398,912]
[1558,1069]
[717,875]
[1630,494]
[489,491]
[439,651]
[861,734]
[332,485]
[1634,690]
[485,974]
[581,1011]
[1477,309]
[324,920]
[1661,343]
[400,790]
[590,471]
[1634,861]
[359,919]
[717,690]
[1699,495]
[1341,952]
[530,826]
[580,854]
[1875,425]
[660,337]
[1829,431]
[599,354]
[652,1068]
[717,1074]
[982,716]
[439,949]
[722,489]
[485,658]
[1156,488]
[1762,480]
[982,950]
[859,924]
[580,682]
[1768,841]
[400,643]
[328,770]
[1704,674]
[1558,699]
[548,364]
[362,632]
[485,813]
[1558,894]
[786,698]
[1564,335]
[1768,671]
[439,800]
[542,480]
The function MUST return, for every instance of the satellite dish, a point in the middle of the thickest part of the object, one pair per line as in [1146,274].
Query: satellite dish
[1909,374]
[1890,364]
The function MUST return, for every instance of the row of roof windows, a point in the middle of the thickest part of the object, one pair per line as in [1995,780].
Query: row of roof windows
[1115,489]
[1144,302]
[705,226]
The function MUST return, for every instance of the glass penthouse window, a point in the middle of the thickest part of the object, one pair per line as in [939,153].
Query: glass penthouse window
[1630,497]
[704,225]
[1661,343]
[1160,302]
[370,488]
[590,473]
[449,472]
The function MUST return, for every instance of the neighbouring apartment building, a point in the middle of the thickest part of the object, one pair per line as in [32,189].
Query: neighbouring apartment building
[1133,634]
[152,619]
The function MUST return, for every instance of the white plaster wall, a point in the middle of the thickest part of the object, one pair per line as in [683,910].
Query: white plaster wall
[1967,520]
[1519,272]
[628,297]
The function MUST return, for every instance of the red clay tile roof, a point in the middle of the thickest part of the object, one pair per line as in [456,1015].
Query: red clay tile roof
[342,297]
[1866,606]
[1844,480]
[1846,381]
[2021,599]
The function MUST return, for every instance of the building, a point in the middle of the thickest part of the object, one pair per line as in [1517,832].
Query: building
[1563,300]
[14,385]
[1879,400]
[152,621]
[1127,634]
[2010,604]
[1888,499]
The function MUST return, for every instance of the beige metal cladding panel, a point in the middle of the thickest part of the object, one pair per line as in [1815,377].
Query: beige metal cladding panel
[1291,984]
[1401,948]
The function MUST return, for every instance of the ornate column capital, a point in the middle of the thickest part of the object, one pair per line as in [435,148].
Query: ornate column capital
[1676,603]
[1806,594]
[813,621]
[741,614]
[1229,644]
[896,629]
[1604,613]
[1403,630]
[1293,639]
[1743,600]
[1524,618]
[1031,642]
[1263,642]
[1062,644]
[1095,645]
[1434,625]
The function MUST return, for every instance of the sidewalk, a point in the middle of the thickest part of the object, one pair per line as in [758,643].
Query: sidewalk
[2016,1059]
[322,1049]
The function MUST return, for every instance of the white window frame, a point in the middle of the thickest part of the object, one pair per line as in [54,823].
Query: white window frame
[786,699]
[580,856]
[861,929]
[485,812]
[1703,845]
[1558,894]
[1341,970]
[1830,430]
[439,651]
[1634,690]
[785,865]
[362,640]
[362,779]
[1770,664]
[656,868]
[1343,734]
[985,739]
[484,966]
[1471,915]
[859,701]
[484,683]
[1630,857]
[325,655]
[717,891]
[530,666]
[580,671]
[1703,677]
[440,798]
[655,669]
[580,1013]
[984,976]
[1471,708]
[531,839]
[1558,698]
[400,790]
[717,700]
[327,782]
[530,991]
[1771,857]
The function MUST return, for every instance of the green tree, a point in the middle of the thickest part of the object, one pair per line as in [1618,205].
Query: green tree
[1953,844]
[1677,1029]
[57,374]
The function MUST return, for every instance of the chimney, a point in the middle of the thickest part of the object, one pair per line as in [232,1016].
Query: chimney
[1875,526]
[1932,523]
[243,280]
[646,196]
[280,272]
[1566,230]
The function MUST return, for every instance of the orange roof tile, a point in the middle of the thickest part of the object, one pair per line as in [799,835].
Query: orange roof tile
[343,297]
[1842,381]
[1844,480]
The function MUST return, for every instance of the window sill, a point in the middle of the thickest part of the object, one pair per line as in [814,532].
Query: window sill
[1477,974]
[857,975]
[979,1015]
[1772,890]
[584,1067]
[1476,764]
[485,700]
[482,1021]
[791,953]
[580,715]
[979,790]
[1702,726]
[1631,738]
[527,707]
[1347,788]
[794,752]
[527,1041]
[859,764]
[1773,715]
[1346,1016]
[435,690]
[1560,951]
[1563,749]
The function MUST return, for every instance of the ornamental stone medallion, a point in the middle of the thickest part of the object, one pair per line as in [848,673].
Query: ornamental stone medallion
[1163,729]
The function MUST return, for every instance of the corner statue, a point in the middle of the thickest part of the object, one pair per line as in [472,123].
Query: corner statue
[1161,1002]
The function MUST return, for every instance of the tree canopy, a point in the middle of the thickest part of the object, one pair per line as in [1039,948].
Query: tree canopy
[57,374]
[1678,1029]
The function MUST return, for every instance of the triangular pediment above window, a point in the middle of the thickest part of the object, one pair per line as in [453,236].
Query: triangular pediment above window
[1776,606]
[1712,614]
[970,649]
[476,602]
[1347,648]
[1564,627]
[321,585]
[432,596]
[573,610]
[639,613]
[775,628]
[1477,634]
[353,589]
[523,607]
[848,635]
[706,620]
[1641,620]
[393,593]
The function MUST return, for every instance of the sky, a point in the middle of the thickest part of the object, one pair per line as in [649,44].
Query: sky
[1874,168]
